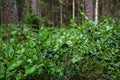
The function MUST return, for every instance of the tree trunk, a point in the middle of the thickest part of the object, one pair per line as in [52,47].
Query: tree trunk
[78,11]
[83,9]
[73,4]
[1,15]
[10,12]
[35,7]
[96,11]
[89,9]
[61,15]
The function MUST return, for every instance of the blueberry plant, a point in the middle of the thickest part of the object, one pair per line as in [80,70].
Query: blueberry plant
[86,52]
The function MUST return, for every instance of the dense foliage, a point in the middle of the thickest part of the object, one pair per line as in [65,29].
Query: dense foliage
[89,51]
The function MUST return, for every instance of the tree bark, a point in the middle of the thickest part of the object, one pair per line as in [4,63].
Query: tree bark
[1,14]
[89,9]
[10,12]
[61,15]
[96,11]
[35,7]
[73,9]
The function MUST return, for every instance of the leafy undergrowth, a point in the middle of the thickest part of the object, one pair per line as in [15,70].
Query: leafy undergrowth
[86,52]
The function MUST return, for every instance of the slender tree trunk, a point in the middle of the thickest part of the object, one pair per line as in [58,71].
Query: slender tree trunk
[78,8]
[20,7]
[1,15]
[116,8]
[96,11]
[64,12]
[61,15]
[89,9]
[83,9]
[53,13]
[78,12]
[103,7]
[35,7]
[10,11]
[73,9]
[106,8]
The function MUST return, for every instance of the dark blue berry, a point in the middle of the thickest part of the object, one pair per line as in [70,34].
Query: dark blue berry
[111,65]
[65,45]
[41,49]
[49,52]
[89,53]
[88,30]
[77,63]
[95,39]
[34,46]
[96,30]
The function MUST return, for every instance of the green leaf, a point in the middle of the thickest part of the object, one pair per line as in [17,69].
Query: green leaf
[14,65]
[29,61]
[30,70]
[12,40]
[108,27]
[13,32]
[19,76]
